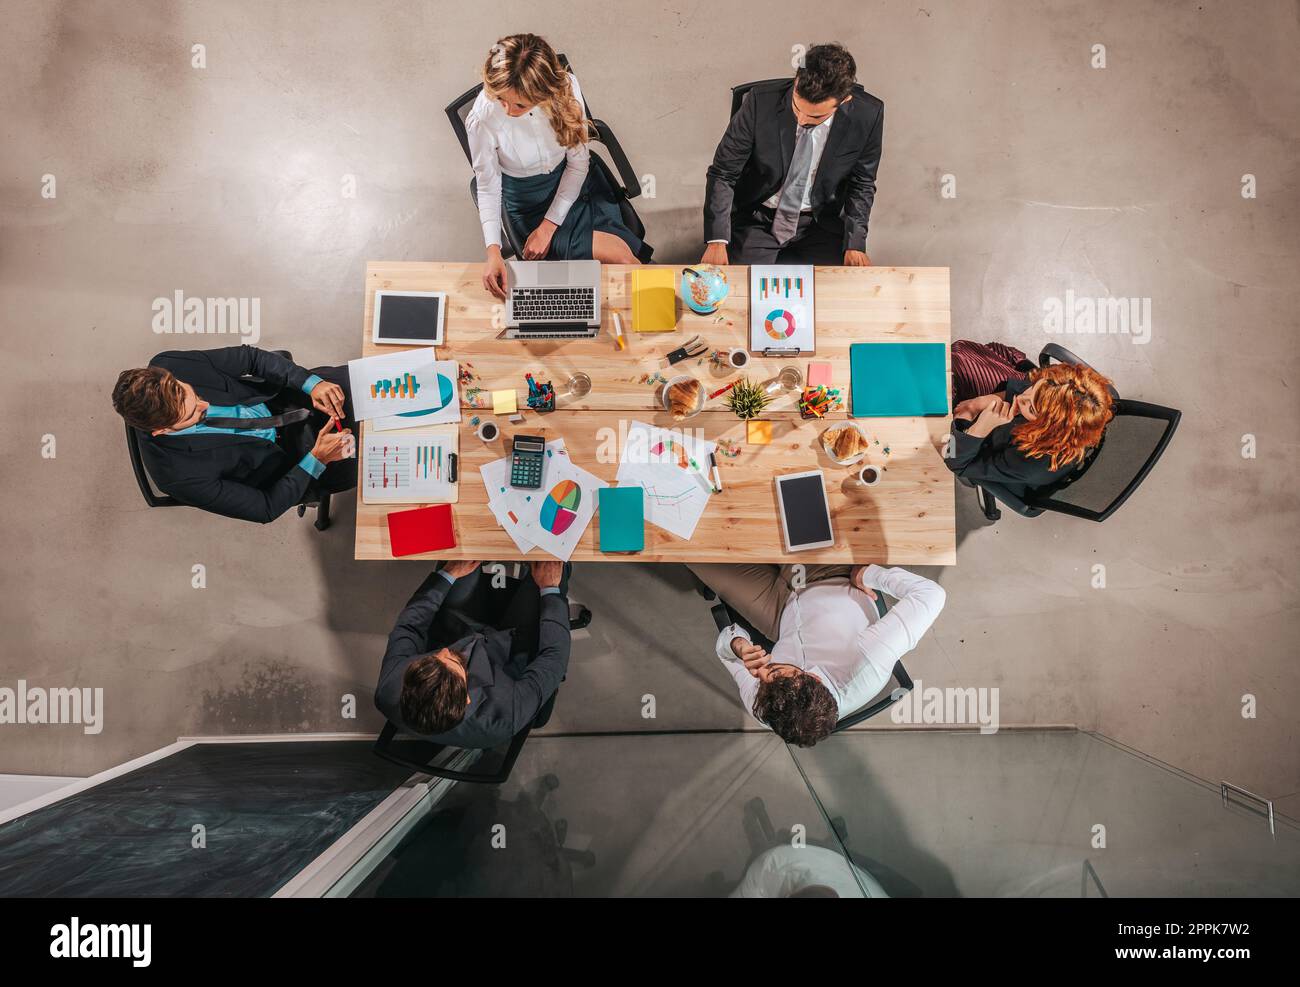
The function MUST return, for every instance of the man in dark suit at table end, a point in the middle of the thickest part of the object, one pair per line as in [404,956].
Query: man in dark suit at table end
[794,176]
[467,667]
[239,431]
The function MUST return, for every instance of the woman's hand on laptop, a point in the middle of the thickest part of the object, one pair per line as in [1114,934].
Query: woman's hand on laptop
[539,241]
[494,273]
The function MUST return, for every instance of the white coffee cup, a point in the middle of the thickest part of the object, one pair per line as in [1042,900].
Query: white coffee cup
[869,475]
[738,358]
[488,431]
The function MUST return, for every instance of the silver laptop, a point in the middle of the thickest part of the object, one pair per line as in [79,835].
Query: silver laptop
[552,299]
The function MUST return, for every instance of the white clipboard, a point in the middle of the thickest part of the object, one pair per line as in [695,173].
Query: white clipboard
[410,466]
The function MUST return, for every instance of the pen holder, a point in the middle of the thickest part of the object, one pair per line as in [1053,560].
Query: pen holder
[541,397]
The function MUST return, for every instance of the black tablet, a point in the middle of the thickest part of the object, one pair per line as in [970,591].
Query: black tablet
[805,511]
[409,318]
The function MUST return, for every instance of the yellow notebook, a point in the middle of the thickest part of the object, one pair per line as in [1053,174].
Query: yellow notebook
[654,299]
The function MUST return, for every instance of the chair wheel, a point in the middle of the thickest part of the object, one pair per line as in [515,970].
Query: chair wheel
[580,620]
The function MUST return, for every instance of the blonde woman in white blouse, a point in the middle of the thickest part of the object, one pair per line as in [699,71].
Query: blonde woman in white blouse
[528,141]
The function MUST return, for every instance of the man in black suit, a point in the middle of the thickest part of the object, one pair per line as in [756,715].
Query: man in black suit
[240,431]
[794,177]
[467,668]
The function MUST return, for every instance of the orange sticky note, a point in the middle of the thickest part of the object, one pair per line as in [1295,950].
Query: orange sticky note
[819,373]
[758,433]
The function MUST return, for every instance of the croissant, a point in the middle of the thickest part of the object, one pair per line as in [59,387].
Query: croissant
[684,398]
[845,443]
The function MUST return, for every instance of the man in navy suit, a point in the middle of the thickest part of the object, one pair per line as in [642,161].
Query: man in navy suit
[794,177]
[240,431]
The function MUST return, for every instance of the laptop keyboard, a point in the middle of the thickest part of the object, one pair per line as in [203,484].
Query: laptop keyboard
[553,304]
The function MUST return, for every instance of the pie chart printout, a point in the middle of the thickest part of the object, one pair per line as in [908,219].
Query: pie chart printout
[779,323]
[560,508]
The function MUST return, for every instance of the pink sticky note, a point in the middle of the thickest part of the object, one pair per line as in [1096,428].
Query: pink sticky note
[819,373]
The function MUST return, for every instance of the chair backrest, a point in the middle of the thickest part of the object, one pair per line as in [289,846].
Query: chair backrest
[1134,442]
[142,478]
[738,92]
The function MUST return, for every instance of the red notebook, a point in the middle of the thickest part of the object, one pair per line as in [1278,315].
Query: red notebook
[425,529]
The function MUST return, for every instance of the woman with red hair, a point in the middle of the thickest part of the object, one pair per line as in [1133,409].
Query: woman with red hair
[1035,430]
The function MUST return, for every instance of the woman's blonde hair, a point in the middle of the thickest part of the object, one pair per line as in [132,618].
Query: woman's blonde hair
[529,66]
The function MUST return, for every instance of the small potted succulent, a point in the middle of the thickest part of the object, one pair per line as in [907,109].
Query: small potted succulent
[747,399]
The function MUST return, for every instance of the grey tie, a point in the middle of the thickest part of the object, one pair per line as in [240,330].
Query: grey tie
[788,207]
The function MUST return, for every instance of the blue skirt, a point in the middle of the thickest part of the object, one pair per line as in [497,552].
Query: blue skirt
[597,209]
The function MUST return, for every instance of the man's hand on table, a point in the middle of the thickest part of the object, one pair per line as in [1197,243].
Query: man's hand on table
[460,568]
[547,574]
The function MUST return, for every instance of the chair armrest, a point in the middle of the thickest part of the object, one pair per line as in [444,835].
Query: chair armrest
[631,181]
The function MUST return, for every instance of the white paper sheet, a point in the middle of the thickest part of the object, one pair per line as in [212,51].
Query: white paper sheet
[781,314]
[674,469]
[401,390]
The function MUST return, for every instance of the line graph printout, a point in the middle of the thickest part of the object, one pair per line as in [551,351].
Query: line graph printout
[672,468]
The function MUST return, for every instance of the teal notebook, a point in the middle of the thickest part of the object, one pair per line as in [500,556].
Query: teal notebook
[897,380]
[622,519]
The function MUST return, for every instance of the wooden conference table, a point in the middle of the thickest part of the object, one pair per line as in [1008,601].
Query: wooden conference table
[905,519]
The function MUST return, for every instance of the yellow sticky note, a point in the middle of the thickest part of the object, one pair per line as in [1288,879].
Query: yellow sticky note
[503,402]
[758,433]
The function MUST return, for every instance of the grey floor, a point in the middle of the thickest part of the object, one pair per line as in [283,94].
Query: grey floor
[226,181]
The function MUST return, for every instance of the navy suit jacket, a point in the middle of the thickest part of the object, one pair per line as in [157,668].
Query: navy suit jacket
[239,476]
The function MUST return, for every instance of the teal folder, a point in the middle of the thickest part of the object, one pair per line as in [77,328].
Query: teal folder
[622,519]
[897,380]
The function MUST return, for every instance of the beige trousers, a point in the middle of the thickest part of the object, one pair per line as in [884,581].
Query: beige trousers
[760,592]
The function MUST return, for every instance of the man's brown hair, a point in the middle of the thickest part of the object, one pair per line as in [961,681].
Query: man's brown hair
[149,398]
[433,696]
[828,72]
[799,709]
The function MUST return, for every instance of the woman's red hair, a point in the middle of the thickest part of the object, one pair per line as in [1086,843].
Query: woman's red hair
[1074,407]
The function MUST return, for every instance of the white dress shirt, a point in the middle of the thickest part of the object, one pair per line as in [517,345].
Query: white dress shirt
[819,136]
[834,630]
[521,147]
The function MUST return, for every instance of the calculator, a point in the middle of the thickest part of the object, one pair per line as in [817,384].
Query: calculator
[527,453]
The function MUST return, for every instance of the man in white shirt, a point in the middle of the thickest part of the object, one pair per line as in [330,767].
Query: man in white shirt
[833,650]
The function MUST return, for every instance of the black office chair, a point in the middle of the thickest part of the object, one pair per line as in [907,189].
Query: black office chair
[418,753]
[738,92]
[1134,441]
[313,497]
[724,616]
[599,133]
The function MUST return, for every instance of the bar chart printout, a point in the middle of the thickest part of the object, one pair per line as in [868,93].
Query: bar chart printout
[406,386]
[407,469]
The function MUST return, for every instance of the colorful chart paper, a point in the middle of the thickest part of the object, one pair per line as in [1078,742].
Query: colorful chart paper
[671,466]
[560,508]
[781,309]
[412,386]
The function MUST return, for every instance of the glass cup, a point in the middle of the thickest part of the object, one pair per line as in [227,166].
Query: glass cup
[578,386]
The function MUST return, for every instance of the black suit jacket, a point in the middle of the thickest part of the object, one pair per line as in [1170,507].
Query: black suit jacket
[239,476]
[507,684]
[754,154]
[995,457]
